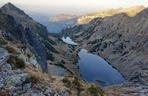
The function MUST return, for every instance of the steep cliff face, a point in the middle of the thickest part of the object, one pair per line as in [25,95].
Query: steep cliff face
[16,26]
[121,40]
[23,19]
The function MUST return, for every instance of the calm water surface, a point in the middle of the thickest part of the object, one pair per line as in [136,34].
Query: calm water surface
[95,69]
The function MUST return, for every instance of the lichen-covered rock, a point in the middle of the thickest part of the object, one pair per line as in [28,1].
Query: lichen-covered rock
[4,55]
[127,90]
[1,83]
[6,67]
[15,80]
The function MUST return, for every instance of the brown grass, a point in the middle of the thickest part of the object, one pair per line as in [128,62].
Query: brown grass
[11,49]
[4,93]
[21,46]
[37,76]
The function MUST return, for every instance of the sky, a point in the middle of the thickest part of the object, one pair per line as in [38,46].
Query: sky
[42,10]
[72,6]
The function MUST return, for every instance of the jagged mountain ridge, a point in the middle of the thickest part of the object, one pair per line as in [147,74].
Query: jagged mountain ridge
[131,11]
[45,48]
[21,17]
[120,39]
[24,29]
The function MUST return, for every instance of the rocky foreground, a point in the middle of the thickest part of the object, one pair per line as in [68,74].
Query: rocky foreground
[20,79]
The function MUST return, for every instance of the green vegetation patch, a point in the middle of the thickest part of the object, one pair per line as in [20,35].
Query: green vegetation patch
[95,91]
[3,41]
[16,62]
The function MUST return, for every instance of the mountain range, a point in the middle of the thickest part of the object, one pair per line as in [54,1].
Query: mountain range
[59,22]
[120,39]
[131,11]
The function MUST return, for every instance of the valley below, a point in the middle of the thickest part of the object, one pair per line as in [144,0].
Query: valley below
[94,69]
[120,41]
[104,74]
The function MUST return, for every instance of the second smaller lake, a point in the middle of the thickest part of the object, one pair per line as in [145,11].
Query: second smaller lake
[68,40]
[95,69]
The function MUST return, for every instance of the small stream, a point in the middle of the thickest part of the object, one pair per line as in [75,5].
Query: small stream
[95,69]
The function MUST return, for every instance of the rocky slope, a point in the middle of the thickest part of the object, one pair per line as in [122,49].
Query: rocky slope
[25,48]
[121,40]
[16,26]
[31,42]
[29,81]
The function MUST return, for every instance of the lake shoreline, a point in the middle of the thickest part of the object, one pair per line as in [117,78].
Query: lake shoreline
[79,48]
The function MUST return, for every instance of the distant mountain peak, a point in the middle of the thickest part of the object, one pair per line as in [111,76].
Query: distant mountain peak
[62,17]
[17,13]
[10,6]
[143,13]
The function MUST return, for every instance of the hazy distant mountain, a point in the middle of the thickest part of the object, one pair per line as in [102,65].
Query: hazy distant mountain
[59,22]
[62,17]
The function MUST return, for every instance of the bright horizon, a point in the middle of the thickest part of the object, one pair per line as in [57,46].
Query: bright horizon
[54,7]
